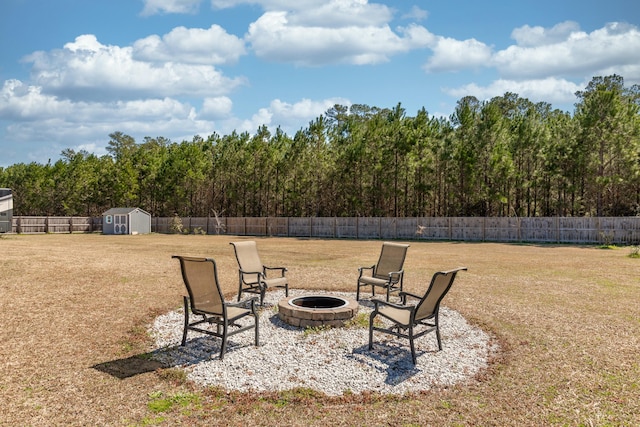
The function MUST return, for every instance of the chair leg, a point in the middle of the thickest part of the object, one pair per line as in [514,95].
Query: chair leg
[223,347]
[257,328]
[186,321]
[358,292]
[286,290]
[371,317]
[437,324]
[413,347]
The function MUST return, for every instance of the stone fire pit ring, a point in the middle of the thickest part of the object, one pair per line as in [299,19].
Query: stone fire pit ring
[311,311]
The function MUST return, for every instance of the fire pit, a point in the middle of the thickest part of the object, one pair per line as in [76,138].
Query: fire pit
[316,310]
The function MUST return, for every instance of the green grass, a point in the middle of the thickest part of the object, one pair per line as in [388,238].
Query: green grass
[161,403]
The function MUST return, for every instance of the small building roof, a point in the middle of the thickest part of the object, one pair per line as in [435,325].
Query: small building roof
[124,211]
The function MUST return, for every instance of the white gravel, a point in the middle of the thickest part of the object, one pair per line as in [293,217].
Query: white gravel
[332,361]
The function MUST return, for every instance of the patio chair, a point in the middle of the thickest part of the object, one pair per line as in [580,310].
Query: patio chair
[205,299]
[388,273]
[253,276]
[414,321]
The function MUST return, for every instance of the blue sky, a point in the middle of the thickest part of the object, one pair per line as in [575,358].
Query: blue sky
[74,71]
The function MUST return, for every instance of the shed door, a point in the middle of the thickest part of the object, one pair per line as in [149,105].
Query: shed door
[120,224]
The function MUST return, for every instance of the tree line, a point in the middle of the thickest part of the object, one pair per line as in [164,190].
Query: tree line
[504,157]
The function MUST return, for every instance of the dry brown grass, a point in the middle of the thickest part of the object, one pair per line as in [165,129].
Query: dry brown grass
[74,310]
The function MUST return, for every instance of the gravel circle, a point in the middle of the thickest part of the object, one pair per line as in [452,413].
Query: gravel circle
[332,361]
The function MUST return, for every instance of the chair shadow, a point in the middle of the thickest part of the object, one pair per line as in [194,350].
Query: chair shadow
[129,366]
[390,358]
[196,350]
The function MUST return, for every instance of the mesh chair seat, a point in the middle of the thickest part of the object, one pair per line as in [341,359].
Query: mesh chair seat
[253,275]
[414,321]
[205,299]
[387,273]
[398,316]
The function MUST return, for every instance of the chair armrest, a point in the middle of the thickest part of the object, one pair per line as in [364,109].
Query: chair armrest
[283,270]
[362,269]
[403,296]
[259,273]
[246,303]
[376,302]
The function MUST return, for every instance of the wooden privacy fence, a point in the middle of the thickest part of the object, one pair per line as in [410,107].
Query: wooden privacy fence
[56,224]
[615,230]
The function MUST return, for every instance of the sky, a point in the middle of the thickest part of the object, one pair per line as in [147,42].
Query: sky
[74,71]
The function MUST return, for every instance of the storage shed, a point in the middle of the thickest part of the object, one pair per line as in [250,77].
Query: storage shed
[6,210]
[126,221]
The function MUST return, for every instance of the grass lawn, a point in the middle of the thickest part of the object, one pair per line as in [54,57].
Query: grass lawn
[75,310]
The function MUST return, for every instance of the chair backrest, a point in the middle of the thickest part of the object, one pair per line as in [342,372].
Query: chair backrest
[440,284]
[391,259]
[200,276]
[247,256]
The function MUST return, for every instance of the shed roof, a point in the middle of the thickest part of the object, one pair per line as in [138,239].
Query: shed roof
[124,211]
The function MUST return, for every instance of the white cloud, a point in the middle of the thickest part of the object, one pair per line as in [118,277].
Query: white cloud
[27,103]
[272,4]
[190,45]
[551,89]
[453,55]
[215,108]
[416,13]
[527,36]
[19,101]
[417,36]
[318,32]
[630,72]
[152,7]
[341,13]
[275,38]
[303,110]
[63,123]
[96,70]
[564,50]
[289,117]
[546,64]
